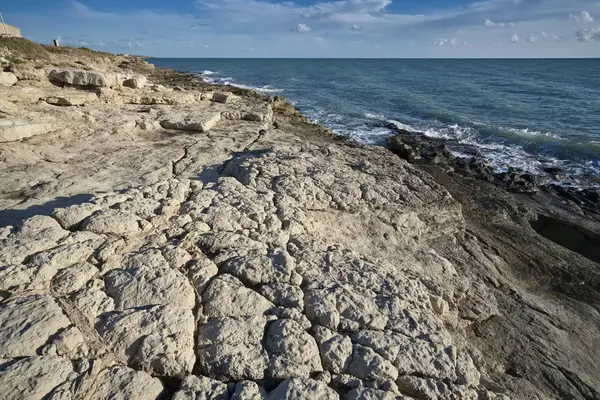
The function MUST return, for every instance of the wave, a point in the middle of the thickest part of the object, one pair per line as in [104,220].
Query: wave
[209,77]
[526,132]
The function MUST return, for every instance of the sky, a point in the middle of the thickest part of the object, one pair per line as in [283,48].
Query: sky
[316,28]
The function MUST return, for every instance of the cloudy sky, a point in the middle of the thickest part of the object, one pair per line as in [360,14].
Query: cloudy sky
[316,28]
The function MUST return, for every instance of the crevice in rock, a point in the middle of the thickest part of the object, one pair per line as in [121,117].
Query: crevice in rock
[566,234]
[259,136]
[175,164]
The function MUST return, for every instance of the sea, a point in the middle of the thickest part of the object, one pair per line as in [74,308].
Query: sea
[528,114]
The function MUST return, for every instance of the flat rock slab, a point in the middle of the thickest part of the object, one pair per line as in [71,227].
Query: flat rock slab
[72,99]
[195,119]
[15,129]
[85,78]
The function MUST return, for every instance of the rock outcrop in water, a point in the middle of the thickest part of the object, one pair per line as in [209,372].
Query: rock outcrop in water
[210,243]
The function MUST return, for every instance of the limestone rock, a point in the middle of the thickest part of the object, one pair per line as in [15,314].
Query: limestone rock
[201,388]
[345,307]
[73,278]
[367,364]
[231,348]
[115,222]
[137,82]
[7,79]
[69,343]
[158,340]
[226,296]
[201,271]
[411,356]
[72,99]
[283,294]
[145,279]
[6,107]
[439,305]
[248,390]
[28,323]
[293,353]
[258,269]
[303,389]
[221,97]
[426,389]
[466,372]
[198,120]
[148,125]
[93,301]
[336,350]
[371,394]
[122,383]
[84,78]
[72,216]
[34,377]
[17,129]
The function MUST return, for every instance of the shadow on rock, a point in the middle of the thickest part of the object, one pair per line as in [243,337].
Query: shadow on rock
[16,217]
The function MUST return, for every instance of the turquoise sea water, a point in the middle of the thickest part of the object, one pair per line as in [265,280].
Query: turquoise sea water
[530,114]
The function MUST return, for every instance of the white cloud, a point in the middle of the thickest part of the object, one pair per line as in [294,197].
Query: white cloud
[583,16]
[492,24]
[514,38]
[237,25]
[447,41]
[303,28]
[588,35]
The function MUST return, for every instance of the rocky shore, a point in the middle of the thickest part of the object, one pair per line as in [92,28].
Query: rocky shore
[161,238]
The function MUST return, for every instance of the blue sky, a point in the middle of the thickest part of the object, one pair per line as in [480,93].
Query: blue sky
[316,28]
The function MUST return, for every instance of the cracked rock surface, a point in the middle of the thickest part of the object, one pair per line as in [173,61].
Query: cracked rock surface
[196,252]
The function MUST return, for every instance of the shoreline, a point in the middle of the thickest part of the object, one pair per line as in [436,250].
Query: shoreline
[419,149]
[163,238]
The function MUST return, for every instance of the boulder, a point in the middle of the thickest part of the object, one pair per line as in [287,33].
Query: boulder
[198,120]
[148,125]
[293,353]
[7,79]
[221,97]
[84,78]
[137,82]
[12,129]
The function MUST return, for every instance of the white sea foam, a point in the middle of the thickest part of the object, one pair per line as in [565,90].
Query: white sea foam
[207,72]
[532,133]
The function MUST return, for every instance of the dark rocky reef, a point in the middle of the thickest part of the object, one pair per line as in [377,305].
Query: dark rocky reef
[421,150]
